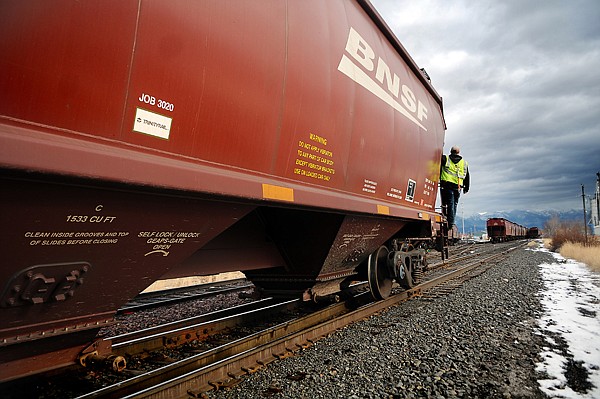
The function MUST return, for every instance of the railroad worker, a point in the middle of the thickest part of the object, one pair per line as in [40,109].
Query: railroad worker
[454,176]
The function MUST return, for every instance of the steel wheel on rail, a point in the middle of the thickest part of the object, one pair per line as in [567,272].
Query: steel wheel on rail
[380,277]
[406,271]
[404,265]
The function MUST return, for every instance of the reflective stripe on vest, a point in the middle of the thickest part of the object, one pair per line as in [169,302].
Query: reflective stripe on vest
[454,172]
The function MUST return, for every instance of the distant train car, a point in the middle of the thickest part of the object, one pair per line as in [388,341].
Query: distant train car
[500,230]
[533,232]
[296,141]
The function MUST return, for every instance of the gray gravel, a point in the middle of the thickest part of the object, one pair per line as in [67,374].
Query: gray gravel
[477,342]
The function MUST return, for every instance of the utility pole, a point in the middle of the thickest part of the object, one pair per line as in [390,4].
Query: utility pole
[584,214]
[595,205]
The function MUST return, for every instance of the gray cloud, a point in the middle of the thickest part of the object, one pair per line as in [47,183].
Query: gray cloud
[521,88]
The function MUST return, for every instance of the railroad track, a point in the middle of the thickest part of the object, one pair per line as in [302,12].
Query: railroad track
[201,369]
[176,295]
[224,366]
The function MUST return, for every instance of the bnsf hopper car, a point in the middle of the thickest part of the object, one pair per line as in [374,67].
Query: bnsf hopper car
[500,229]
[294,140]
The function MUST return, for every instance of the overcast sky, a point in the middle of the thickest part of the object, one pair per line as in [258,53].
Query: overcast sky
[520,81]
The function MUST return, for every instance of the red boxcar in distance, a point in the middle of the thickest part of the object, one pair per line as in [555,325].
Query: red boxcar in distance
[500,230]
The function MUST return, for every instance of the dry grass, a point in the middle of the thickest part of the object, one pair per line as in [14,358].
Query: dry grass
[590,255]
[569,239]
[547,243]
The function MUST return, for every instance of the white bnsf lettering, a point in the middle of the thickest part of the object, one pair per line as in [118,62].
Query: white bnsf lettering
[386,85]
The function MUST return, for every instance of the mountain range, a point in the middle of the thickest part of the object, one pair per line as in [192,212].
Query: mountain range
[476,224]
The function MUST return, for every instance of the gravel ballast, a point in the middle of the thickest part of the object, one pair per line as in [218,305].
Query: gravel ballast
[479,341]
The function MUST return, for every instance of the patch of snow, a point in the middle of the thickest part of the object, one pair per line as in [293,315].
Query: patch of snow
[571,300]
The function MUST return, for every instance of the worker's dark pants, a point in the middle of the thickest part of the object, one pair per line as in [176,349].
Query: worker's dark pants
[450,203]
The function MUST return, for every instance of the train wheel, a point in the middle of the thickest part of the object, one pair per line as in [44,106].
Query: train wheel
[406,274]
[380,278]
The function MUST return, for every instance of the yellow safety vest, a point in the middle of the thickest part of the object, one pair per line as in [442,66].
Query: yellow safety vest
[454,172]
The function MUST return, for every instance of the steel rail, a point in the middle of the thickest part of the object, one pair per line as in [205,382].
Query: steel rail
[183,289]
[457,259]
[177,295]
[218,354]
[180,336]
[223,366]
[452,274]
[118,342]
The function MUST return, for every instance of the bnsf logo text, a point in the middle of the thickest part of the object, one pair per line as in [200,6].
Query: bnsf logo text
[360,69]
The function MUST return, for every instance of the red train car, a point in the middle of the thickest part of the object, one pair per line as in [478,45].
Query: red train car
[533,232]
[500,229]
[148,139]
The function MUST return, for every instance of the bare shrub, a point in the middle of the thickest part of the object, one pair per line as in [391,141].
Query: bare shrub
[569,238]
[551,226]
[561,232]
